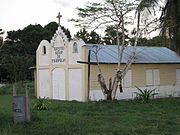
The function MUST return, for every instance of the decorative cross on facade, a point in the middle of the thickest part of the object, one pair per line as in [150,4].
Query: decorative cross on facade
[59,18]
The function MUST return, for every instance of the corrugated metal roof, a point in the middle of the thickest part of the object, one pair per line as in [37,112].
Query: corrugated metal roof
[109,54]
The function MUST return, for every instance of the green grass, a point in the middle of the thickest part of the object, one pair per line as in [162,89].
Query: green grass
[159,117]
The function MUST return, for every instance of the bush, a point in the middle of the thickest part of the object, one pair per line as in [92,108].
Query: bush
[41,104]
[145,95]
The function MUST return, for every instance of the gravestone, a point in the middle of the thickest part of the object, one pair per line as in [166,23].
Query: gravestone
[19,108]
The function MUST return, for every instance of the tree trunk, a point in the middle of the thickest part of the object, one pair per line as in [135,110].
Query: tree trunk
[109,96]
[107,92]
[120,87]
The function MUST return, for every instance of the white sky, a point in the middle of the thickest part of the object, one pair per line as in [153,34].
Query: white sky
[17,14]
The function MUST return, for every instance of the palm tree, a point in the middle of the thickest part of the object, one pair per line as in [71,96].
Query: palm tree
[170,19]
[1,38]
[170,22]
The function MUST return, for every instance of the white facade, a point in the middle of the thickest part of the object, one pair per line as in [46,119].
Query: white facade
[59,76]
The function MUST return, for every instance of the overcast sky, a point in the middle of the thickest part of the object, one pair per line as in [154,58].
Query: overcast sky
[17,14]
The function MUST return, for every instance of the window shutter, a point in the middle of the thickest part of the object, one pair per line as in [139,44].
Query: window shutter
[149,77]
[177,76]
[156,77]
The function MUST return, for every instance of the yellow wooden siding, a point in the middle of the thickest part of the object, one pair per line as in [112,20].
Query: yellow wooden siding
[108,71]
[167,74]
[138,75]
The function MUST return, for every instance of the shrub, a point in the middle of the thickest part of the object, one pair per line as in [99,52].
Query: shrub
[41,104]
[145,95]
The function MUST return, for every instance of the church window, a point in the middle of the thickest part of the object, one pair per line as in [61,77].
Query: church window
[44,50]
[75,47]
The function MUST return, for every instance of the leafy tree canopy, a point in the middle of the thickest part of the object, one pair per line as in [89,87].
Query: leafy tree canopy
[155,41]
[26,41]
[19,48]
[110,37]
[16,67]
[91,37]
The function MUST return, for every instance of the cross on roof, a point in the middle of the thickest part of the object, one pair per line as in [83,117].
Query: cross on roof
[59,18]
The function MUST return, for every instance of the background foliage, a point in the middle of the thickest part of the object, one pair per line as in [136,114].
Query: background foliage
[19,49]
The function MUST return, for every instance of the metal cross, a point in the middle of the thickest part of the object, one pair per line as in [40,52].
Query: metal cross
[59,18]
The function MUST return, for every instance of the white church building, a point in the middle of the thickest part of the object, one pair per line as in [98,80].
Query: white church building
[66,70]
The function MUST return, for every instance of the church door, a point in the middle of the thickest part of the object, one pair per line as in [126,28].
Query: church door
[58,84]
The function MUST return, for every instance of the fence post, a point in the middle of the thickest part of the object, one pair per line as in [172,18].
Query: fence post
[28,117]
[14,90]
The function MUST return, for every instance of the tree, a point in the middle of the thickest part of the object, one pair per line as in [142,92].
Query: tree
[24,42]
[17,67]
[1,38]
[169,20]
[83,34]
[91,37]
[116,13]
[20,48]
[51,28]
[110,37]
[67,32]
[1,45]
[155,41]
[94,38]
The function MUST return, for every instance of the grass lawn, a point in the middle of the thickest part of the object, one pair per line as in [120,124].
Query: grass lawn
[160,117]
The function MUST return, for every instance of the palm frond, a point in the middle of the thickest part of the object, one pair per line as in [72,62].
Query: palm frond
[145,95]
